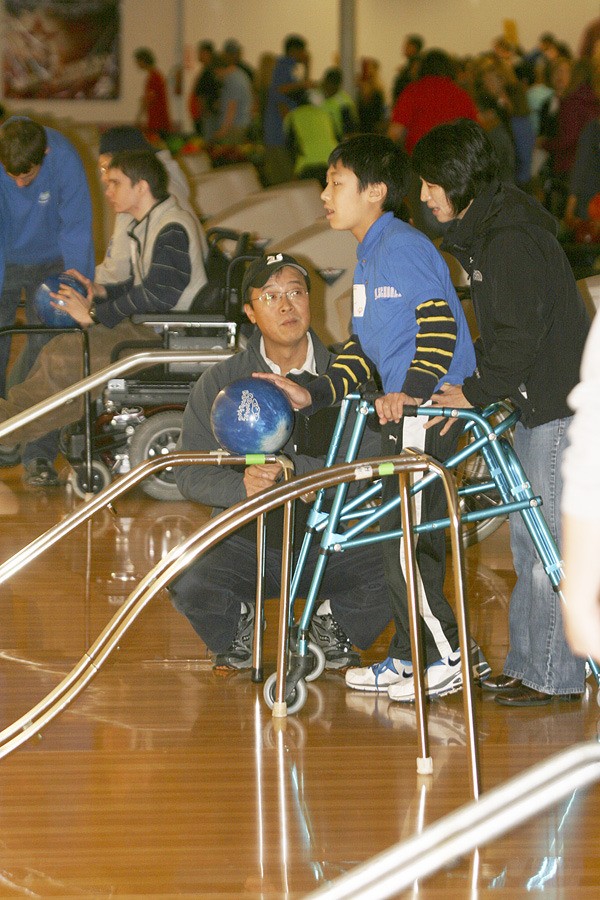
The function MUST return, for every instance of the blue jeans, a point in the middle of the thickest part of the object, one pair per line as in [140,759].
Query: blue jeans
[539,654]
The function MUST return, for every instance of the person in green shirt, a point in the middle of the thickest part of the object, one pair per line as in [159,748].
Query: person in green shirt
[310,137]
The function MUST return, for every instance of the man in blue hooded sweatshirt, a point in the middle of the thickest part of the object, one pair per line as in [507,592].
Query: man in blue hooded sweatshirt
[46,226]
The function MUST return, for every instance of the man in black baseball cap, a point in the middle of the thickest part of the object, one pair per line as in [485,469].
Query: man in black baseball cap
[258,272]
[217,592]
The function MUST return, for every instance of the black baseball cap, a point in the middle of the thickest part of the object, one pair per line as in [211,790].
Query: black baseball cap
[123,137]
[258,272]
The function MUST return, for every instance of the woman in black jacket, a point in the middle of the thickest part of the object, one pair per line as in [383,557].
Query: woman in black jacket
[533,324]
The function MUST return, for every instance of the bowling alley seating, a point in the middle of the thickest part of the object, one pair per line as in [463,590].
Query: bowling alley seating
[274,213]
[216,190]
[195,164]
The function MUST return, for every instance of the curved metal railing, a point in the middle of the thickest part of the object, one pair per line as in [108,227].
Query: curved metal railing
[97,379]
[172,563]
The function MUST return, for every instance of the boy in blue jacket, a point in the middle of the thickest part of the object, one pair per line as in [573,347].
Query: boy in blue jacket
[408,326]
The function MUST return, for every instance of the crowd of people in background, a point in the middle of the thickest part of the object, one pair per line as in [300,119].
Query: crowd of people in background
[541,112]
[539,107]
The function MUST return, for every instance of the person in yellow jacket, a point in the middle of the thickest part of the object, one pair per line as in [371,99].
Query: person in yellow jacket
[310,137]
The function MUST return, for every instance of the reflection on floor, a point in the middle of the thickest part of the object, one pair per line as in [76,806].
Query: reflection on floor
[163,779]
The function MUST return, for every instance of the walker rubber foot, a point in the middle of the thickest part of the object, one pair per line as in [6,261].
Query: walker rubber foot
[424,765]
[279,710]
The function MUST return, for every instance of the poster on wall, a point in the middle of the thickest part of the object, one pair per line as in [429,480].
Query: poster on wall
[61,49]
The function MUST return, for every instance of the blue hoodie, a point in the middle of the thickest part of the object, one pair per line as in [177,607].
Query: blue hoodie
[51,217]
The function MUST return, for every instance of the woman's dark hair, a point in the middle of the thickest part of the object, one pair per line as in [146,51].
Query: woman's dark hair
[459,157]
[143,165]
[377,159]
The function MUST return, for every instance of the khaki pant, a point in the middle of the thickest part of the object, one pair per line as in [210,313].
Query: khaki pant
[60,365]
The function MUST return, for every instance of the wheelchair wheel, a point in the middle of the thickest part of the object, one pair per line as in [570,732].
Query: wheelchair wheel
[157,436]
[295,700]
[473,471]
[101,478]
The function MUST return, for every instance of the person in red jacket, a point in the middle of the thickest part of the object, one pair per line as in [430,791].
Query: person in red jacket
[153,115]
[431,100]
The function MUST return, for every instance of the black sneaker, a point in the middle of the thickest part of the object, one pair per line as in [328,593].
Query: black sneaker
[40,473]
[239,654]
[10,456]
[335,643]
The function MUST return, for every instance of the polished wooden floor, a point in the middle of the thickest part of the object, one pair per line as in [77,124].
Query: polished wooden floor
[163,779]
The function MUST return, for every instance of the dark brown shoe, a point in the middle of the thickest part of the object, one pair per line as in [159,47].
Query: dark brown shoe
[526,696]
[500,683]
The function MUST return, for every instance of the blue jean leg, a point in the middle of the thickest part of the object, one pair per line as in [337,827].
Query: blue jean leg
[539,653]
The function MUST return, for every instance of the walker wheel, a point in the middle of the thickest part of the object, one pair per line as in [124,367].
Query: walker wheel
[295,699]
[318,660]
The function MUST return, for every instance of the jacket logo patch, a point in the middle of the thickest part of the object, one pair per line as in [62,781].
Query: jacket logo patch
[477,276]
[381,293]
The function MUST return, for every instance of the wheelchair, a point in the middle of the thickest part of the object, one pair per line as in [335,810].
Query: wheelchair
[140,416]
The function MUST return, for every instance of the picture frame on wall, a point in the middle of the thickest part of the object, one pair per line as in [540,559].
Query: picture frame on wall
[61,49]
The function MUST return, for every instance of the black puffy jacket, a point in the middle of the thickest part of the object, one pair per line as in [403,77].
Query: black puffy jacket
[532,320]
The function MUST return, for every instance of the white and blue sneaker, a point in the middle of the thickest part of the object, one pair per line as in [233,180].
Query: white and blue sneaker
[379,676]
[398,674]
[441,678]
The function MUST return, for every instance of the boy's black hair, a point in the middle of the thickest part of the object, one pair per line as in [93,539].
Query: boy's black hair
[23,145]
[377,159]
[143,165]
[459,157]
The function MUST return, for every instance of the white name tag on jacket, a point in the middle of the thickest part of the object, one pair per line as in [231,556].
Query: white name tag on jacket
[359,300]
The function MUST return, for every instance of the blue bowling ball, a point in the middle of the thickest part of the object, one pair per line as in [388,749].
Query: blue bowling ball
[252,416]
[42,301]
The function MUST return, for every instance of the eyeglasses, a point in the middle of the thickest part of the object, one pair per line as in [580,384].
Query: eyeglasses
[272,298]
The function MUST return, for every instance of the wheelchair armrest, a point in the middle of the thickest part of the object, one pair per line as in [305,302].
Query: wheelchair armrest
[176,318]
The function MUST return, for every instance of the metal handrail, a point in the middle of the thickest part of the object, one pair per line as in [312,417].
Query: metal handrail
[120,367]
[496,812]
[105,497]
[174,562]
